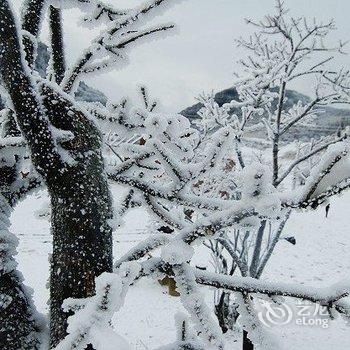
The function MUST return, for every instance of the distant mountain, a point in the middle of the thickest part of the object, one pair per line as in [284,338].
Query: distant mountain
[329,121]
[230,94]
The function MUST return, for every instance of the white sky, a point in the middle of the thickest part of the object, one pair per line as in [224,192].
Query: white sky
[202,56]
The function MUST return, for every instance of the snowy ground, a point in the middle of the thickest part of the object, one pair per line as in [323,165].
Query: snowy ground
[321,257]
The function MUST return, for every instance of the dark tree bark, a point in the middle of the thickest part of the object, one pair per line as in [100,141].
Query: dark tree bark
[226,312]
[80,198]
[29,115]
[222,311]
[57,47]
[31,22]
[257,250]
[81,207]
[247,344]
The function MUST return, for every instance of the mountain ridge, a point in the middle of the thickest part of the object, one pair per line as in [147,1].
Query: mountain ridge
[327,123]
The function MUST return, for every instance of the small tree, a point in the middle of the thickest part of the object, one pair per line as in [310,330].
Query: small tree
[282,50]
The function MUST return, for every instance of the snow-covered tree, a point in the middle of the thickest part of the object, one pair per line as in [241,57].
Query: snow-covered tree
[282,50]
[187,181]
[234,174]
[196,183]
[64,145]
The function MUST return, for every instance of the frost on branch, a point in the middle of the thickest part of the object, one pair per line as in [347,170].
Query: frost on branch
[91,322]
[199,184]
[193,301]
[195,183]
[124,29]
[162,167]
[177,252]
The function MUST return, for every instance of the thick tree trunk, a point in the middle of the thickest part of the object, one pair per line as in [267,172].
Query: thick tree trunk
[82,240]
[81,208]
[74,174]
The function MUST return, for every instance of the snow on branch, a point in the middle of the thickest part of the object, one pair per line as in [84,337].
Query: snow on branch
[92,315]
[97,10]
[170,180]
[193,300]
[188,279]
[163,213]
[90,323]
[336,154]
[330,177]
[140,174]
[309,155]
[279,52]
[189,179]
[141,249]
[315,202]
[330,297]
[109,46]
[327,297]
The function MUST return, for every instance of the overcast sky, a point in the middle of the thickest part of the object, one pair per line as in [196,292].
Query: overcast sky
[202,55]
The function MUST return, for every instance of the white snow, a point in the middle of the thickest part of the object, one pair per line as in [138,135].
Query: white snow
[320,258]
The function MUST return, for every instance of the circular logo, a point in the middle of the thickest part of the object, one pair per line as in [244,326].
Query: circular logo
[275,314]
